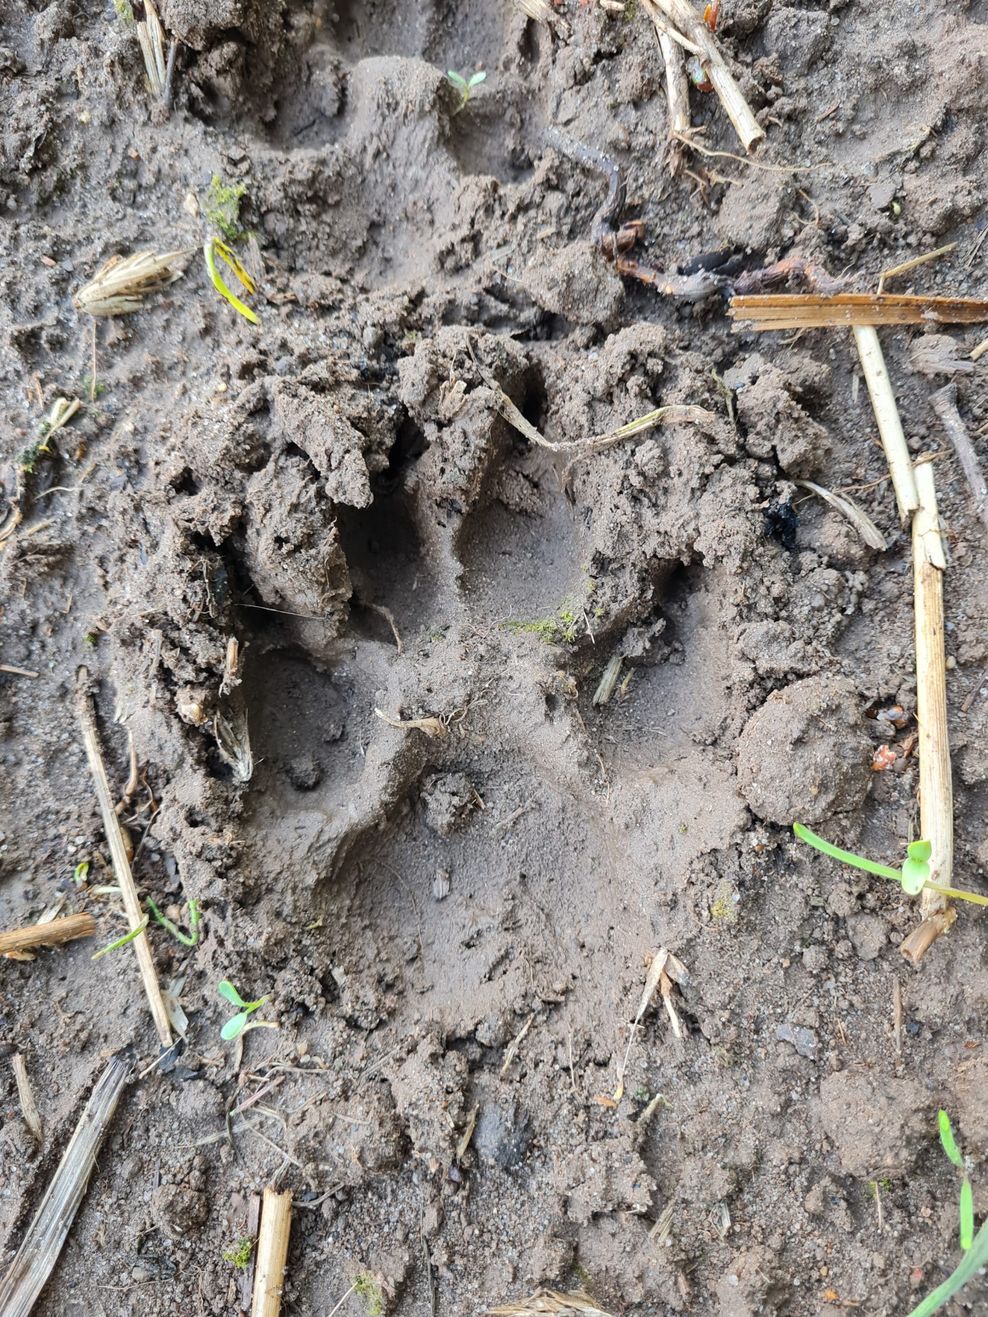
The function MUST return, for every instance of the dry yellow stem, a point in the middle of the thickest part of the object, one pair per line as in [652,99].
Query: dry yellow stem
[272,1251]
[887,415]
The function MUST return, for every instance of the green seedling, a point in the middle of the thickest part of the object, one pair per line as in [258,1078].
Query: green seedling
[562,628]
[974,1246]
[213,248]
[464,86]
[967,1199]
[121,941]
[914,876]
[240,1023]
[238,1254]
[189,939]
[371,1292]
[223,207]
[80,873]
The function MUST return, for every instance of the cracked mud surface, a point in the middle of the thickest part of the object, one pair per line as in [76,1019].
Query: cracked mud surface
[340,493]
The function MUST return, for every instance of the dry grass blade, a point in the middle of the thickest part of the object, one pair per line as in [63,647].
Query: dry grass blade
[47,1233]
[433,727]
[858,518]
[51,934]
[25,1096]
[540,11]
[887,417]
[233,742]
[913,264]
[773,311]
[152,39]
[122,284]
[551,1301]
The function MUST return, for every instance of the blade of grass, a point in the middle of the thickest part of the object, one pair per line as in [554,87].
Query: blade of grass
[966,1215]
[947,1139]
[971,1263]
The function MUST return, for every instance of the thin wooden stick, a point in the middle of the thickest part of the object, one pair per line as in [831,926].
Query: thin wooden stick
[887,415]
[41,1245]
[118,854]
[775,311]
[52,934]
[272,1251]
[936,801]
[678,98]
[25,1096]
[685,19]
[945,405]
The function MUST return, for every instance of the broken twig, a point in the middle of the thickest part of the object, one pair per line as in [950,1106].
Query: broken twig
[118,855]
[41,1245]
[945,405]
[25,1096]
[52,934]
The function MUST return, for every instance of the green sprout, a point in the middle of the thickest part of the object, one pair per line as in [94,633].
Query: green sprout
[80,873]
[967,1199]
[121,941]
[914,875]
[238,1254]
[974,1246]
[189,939]
[464,86]
[371,1292]
[223,207]
[238,1024]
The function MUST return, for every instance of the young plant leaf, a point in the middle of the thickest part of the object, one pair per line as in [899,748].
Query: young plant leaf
[845,857]
[970,1264]
[947,1139]
[229,993]
[234,1026]
[966,1215]
[457,79]
[476,79]
[121,941]
[916,868]
[213,248]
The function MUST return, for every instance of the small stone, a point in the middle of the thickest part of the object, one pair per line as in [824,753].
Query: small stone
[804,1040]
[867,934]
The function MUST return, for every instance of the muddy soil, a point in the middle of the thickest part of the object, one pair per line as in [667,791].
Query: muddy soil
[452,931]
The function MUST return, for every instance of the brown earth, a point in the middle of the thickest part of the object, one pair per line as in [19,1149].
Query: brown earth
[341,478]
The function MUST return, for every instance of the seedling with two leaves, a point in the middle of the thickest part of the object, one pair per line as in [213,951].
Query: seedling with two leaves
[464,86]
[914,875]
[241,1022]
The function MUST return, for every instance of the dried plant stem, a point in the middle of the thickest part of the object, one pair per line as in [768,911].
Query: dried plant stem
[52,934]
[46,1234]
[272,1251]
[118,855]
[687,20]
[677,96]
[936,801]
[887,415]
[945,405]
[774,311]
[25,1096]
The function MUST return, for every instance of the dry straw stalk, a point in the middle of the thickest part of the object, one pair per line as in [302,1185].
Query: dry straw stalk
[41,1245]
[272,1252]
